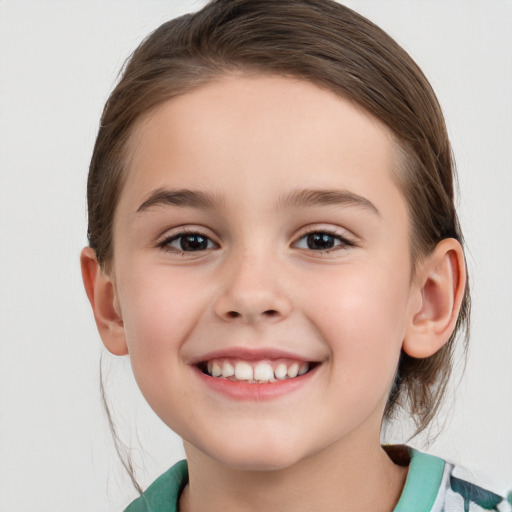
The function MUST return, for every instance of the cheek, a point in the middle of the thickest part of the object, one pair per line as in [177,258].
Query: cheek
[363,322]
[159,309]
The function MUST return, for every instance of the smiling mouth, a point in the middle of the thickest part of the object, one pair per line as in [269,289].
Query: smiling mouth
[255,372]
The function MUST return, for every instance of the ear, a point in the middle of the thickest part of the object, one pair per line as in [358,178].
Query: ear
[439,285]
[101,294]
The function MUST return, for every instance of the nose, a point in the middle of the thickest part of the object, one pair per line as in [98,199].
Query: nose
[252,292]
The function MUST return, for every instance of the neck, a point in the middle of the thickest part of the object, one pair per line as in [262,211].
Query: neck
[345,477]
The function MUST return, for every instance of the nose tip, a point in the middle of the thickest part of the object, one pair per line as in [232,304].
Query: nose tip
[251,285]
[248,296]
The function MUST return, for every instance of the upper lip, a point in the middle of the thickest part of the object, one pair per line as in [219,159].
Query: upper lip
[250,354]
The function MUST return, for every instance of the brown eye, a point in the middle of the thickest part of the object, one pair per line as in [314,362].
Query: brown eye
[322,241]
[193,243]
[187,242]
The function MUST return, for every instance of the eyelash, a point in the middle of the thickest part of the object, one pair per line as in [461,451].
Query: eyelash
[343,242]
[165,246]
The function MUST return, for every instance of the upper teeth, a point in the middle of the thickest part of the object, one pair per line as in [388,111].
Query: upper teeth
[256,371]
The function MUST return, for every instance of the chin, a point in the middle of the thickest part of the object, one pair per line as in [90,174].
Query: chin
[258,457]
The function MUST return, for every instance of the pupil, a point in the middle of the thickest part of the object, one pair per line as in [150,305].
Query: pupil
[193,243]
[320,241]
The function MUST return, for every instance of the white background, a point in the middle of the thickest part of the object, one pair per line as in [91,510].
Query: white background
[58,61]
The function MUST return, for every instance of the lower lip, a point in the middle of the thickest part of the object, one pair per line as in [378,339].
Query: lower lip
[240,390]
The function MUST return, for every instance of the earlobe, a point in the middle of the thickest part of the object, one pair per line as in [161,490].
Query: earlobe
[101,294]
[440,283]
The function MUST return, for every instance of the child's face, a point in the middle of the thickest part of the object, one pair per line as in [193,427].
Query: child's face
[260,222]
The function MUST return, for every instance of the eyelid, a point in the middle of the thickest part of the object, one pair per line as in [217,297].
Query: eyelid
[346,237]
[173,234]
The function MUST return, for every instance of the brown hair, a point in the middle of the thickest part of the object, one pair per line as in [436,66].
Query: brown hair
[332,46]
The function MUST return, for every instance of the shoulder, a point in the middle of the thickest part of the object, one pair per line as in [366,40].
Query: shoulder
[163,494]
[434,485]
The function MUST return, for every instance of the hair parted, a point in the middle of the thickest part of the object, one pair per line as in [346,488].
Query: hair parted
[335,48]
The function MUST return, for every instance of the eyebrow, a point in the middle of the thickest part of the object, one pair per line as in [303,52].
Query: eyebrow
[328,197]
[179,197]
[294,199]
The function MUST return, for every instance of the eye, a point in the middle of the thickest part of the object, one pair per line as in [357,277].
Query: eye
[187,242]
[322,241]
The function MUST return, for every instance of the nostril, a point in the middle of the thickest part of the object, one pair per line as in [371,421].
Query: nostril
[236,314]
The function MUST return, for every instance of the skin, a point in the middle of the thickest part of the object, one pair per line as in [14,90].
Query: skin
[250,142]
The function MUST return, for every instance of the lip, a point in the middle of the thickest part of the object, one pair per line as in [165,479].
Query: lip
[248,354]
[244,391]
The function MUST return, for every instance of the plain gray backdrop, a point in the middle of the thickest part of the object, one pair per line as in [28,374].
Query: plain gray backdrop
[58,62]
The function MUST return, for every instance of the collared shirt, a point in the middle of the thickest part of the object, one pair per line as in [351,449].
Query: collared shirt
[431,486]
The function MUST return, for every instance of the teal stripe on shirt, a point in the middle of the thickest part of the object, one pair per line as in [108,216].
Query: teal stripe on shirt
[422,484]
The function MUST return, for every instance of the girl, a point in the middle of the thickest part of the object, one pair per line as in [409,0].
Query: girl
[273,241]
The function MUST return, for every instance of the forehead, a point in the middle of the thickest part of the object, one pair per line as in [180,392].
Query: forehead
[259,136]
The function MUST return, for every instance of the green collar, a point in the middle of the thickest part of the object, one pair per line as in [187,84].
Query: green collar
[422,484]
[163,494]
